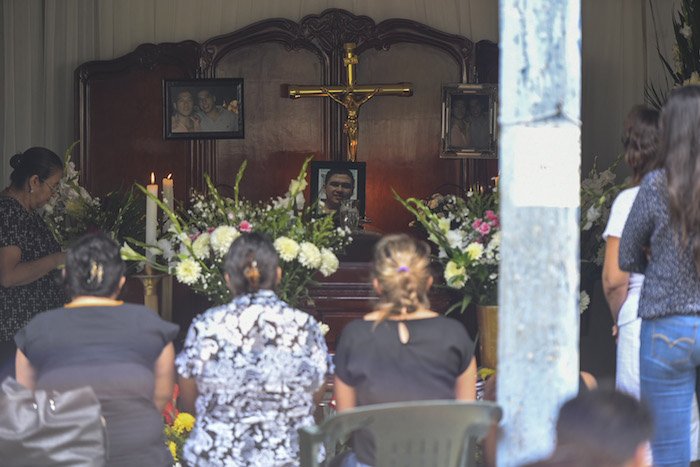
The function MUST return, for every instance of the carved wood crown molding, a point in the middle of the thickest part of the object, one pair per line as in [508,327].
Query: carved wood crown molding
[324,34]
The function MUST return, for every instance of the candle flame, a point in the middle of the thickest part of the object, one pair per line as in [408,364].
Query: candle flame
[153,178]
[170,176]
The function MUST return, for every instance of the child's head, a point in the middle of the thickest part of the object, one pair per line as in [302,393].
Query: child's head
[251,264]
[402,274]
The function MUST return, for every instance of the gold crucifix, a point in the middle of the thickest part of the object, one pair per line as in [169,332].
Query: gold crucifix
[351,96]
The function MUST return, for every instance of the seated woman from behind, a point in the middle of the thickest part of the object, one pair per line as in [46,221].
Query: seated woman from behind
[123,351]
[403,351]
[252,366]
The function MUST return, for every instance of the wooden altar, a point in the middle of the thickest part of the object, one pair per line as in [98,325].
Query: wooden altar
[119,121]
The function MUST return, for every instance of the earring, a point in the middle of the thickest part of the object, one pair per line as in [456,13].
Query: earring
[31,190]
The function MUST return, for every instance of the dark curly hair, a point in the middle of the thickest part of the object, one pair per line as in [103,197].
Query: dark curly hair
[94,266]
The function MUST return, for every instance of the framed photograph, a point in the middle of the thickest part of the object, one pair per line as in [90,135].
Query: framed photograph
[469,121]
[332,182]
[203,109]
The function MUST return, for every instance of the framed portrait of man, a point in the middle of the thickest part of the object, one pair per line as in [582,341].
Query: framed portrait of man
[203,109]
[469,121]
[332,182]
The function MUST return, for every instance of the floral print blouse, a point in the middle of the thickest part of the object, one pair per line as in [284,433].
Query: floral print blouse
[257,363]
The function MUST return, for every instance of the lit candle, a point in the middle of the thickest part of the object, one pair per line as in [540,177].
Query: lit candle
[168,199]
[151,215]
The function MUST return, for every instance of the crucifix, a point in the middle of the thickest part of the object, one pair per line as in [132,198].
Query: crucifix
[351,96]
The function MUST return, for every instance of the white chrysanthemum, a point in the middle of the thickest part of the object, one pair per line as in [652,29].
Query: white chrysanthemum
[188,271]
[475,250]
[452,270]
[222,238]
[324,328]
[309,255]
[201,246]
[454,238]
[329,262]
[287,248]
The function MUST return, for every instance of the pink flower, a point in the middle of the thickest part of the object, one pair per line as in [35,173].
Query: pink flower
[245,227]
[484,228]
[477,224]
[193,237]
[490,215]
[210,230]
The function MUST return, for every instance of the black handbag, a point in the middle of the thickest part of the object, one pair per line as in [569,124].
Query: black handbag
[48,428]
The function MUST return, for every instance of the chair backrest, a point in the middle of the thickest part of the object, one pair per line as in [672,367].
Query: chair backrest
[439,433]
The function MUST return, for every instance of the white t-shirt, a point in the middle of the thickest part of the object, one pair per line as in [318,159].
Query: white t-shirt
[616,223]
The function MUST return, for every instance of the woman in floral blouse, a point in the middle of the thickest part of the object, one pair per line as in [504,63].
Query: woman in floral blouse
[250,368]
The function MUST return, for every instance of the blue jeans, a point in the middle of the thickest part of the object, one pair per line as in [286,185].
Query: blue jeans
[668,357]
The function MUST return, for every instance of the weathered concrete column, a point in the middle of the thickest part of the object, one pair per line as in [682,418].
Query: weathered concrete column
[540,158]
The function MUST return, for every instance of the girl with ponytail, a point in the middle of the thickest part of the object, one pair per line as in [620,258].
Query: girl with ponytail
[401,351]
[251,367]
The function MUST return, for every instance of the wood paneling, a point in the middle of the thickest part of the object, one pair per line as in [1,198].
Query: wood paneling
[120,116]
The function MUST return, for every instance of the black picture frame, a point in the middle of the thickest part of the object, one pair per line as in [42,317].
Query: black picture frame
[475,137]
[226,95]
[319,170]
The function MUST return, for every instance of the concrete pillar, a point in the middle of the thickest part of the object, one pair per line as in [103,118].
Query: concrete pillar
[540,158]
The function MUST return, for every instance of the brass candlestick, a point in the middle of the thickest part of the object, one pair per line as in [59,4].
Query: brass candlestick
[150,282]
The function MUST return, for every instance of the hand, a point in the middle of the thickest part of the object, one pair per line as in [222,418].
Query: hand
[616,333]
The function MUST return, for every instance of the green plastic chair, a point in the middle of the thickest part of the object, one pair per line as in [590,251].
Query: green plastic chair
[438,433]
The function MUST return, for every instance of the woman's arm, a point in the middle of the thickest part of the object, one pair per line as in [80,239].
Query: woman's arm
[14,272]
[465,389]
[164,373]
[188,394]
[615,280]
[345,398]
[25,372]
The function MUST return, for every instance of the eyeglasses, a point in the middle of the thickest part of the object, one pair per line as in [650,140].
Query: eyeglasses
[53,189]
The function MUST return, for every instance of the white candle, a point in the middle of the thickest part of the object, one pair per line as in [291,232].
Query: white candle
[168,199]
[151,215]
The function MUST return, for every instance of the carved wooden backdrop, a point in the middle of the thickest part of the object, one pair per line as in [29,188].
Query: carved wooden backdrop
[120,110]
[119,118]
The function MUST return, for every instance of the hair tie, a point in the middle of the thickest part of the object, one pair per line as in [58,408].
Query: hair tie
[96,273]
[403,269]
[252,274]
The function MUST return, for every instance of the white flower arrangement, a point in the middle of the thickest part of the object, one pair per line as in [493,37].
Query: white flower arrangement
[199,237]
[467,234]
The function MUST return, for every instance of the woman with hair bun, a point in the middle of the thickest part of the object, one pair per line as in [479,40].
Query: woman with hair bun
[122,350]
[402,351]
[29,253]
[250,367]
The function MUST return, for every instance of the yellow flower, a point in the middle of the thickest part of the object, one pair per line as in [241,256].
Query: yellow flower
[474,250]
[222,238]
[329,262]
[183,422]
[287,248]
[201,246]
[452,270]
[310,255]
[173,450]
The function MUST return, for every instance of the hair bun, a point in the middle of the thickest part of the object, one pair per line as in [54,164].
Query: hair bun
[16,160]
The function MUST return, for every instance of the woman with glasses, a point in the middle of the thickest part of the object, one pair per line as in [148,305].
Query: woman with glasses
[29,254]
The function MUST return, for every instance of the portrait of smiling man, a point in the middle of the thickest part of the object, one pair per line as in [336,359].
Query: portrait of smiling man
[339,184]
[214,117]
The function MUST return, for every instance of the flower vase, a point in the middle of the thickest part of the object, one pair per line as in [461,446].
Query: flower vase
[487,318]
